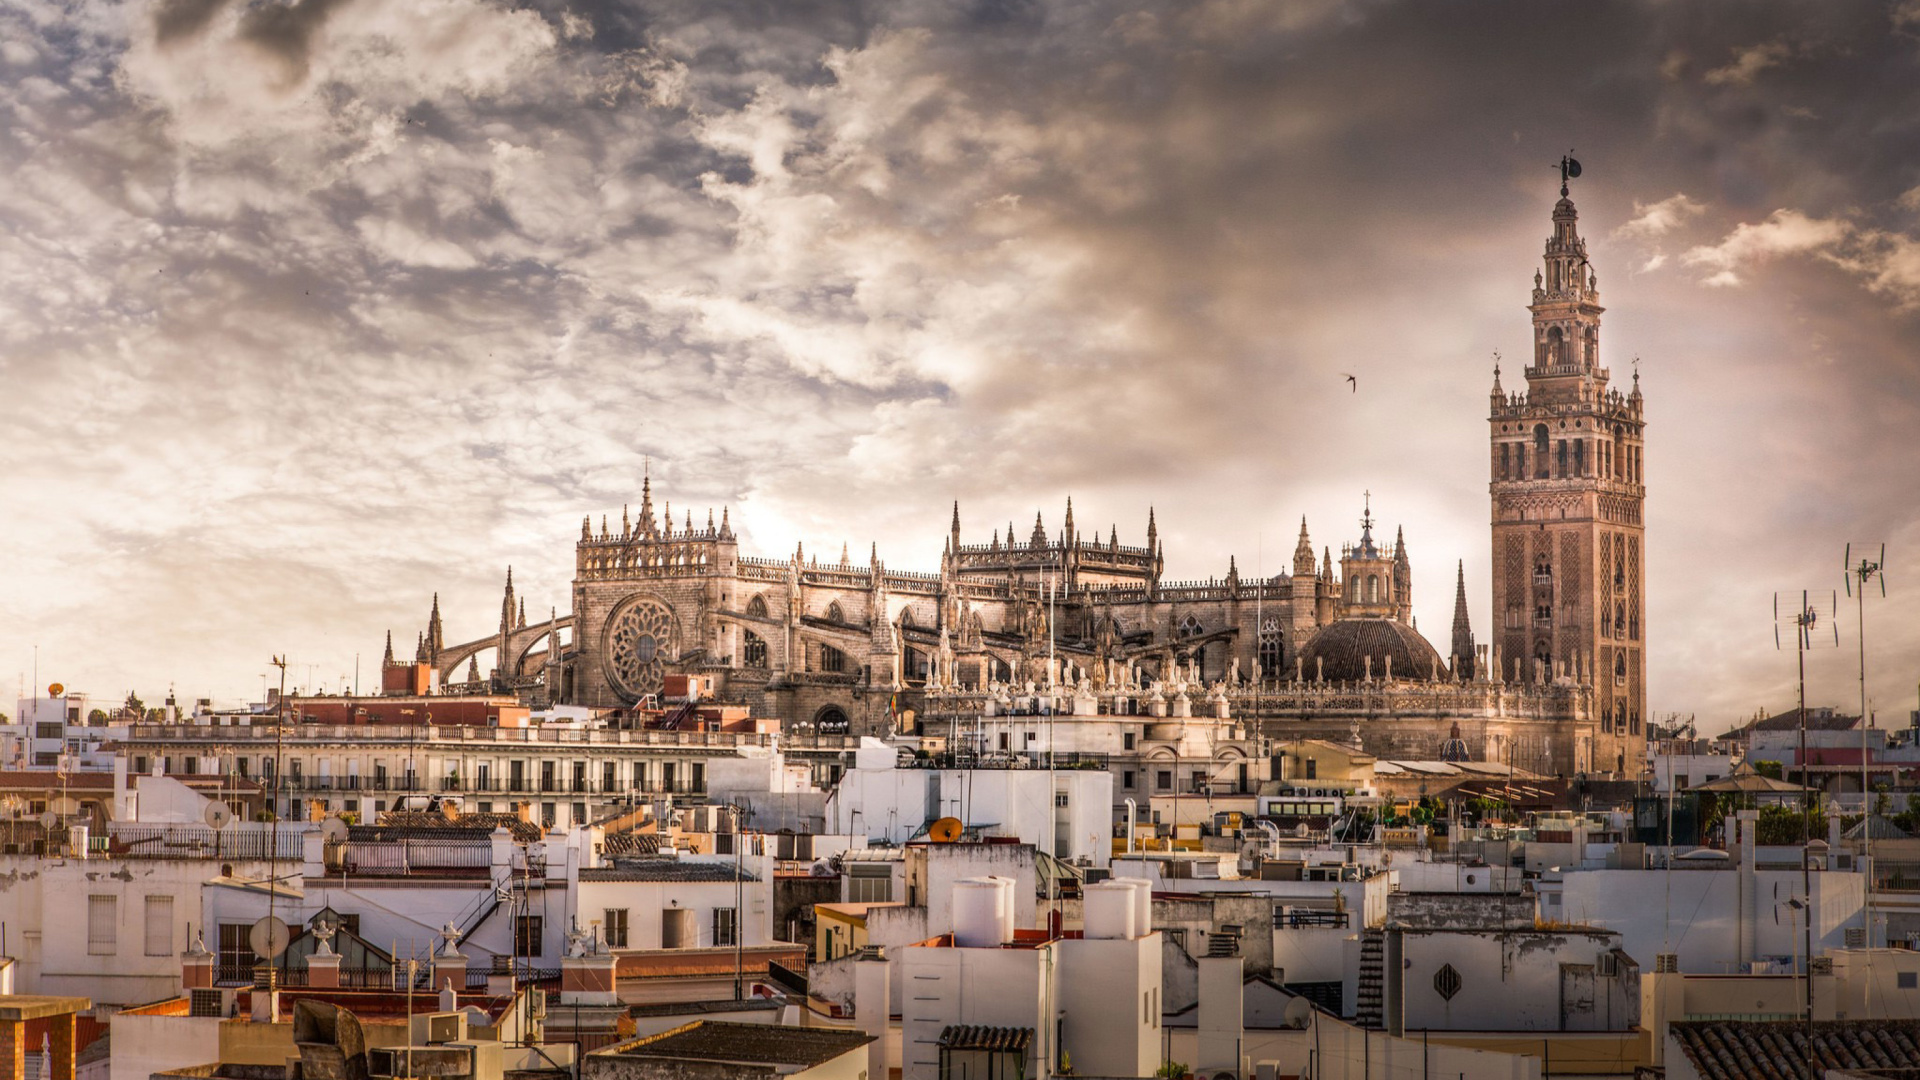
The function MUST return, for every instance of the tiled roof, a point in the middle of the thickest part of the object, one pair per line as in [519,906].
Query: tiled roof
[755,1044]
[979,1037]
[1776,1050]
[666,869]
[430,823]
[631,843]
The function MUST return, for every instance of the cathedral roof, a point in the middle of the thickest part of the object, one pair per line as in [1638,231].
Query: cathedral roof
[1340,651]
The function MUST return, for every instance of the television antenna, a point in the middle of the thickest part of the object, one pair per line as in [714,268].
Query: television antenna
[1859,576]
[1811,630]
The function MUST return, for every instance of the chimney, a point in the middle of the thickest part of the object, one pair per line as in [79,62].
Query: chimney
[872,1005]
[196,966]
[1222,1021]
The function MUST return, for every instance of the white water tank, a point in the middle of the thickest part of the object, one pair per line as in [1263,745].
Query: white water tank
[1109,910]
[976,913]
[1142,904]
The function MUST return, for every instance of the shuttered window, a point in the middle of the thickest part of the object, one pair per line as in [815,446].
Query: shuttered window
[159,926]
[102,925]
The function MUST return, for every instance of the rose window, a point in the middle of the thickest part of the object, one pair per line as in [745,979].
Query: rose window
[639,641]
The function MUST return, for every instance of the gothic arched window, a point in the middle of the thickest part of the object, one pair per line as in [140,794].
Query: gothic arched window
[1373,588]
[1620,620]
[1190,627]
[1556,348]
[1620,670]
[753,649]
[1560,457]
[1272,648]
[906,617]
[832,660]
[757,607]
[1580,457]
[1506,464]
[1540,451]
[834,614]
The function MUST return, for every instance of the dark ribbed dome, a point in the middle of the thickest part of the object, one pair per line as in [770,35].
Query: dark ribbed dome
[1341,651]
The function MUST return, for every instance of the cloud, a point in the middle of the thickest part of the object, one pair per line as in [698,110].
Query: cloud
[310,309]
[1887,260]
[1784,232]
[1748,63]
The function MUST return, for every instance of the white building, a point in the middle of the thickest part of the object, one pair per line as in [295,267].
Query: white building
[1066,813]
[1717,917]
[1030,1003]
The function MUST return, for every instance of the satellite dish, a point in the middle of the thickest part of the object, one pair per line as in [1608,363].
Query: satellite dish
[945,830]
[218,815]
[334,829]
[1299,1014]
[56,689]
[268,938]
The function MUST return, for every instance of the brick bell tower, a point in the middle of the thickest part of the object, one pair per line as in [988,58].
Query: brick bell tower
[1569,539]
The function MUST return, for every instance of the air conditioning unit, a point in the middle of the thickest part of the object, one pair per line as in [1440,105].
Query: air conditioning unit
[215,1002]
[429,1029]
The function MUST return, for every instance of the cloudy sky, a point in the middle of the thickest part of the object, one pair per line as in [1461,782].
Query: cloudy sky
[311,309]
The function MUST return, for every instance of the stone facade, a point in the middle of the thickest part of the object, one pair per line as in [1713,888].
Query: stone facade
[836,645]
[1569,538]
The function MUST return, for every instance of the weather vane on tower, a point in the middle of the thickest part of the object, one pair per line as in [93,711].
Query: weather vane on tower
[1569,169]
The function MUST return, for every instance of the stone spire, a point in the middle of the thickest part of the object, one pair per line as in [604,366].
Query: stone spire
[726,527]
[1039,537]
[1303,552]
[1402,576]
[1068,525]
[954,531]
[1462,629]
[389,657]
[645,524]
[420,649]
[522,622]
[1153,532]
[626,527]
[436,635]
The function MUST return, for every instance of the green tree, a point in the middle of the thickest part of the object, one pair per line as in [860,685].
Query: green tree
[1770,769]
[97,716]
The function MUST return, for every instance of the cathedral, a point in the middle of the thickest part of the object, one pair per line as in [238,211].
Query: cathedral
[1327,650]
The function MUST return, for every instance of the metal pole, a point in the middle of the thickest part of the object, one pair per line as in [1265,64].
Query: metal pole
[1806,821]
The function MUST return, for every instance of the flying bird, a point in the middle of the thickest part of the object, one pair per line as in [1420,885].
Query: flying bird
[1353,384]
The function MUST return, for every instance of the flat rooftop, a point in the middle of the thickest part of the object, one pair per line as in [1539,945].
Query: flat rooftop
[750,1044]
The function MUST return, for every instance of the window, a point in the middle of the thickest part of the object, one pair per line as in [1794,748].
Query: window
[1163,779]
[1126,779]
[579,814]
[753,649]
[609,776]
[869,883]
[1199,780]
[1060,798]
[1313,769]
[725,926]
[757,607]
[579,776]
[235,959]
[549,813]
[616,928]
[44,730]
[1126,741]
[140,764]
[483,777]
[103,918]
[1190,627]
[834,614]
[528,931]
[546,776]
[699,776]
[832,660]
[1272,651]
[1506,461]
[666,775]
[1540,451]
[516,776]
[1030,737]
[159,926]
[1373,588]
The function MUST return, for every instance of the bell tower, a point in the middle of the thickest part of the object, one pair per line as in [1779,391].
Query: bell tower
[1569,581]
